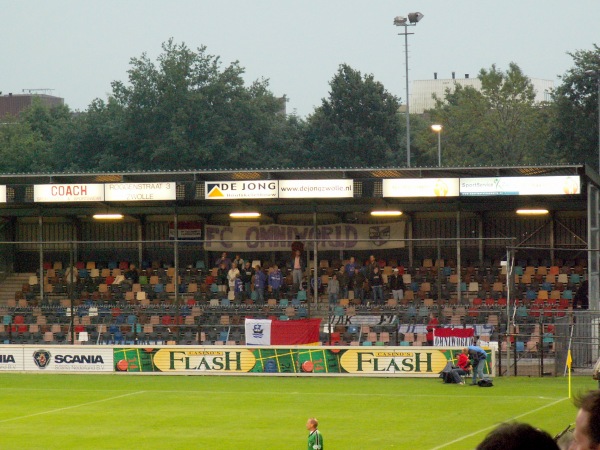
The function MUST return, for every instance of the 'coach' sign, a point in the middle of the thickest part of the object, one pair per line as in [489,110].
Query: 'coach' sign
[68,193]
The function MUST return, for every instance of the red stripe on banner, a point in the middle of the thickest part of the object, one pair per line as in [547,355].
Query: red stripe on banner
[454,332]
[295,332]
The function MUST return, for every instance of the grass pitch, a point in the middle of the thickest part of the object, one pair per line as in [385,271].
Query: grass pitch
[45,411]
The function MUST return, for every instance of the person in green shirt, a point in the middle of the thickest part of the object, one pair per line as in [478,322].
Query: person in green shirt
[315,438]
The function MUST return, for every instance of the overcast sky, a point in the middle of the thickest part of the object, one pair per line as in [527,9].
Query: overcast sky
[78,47]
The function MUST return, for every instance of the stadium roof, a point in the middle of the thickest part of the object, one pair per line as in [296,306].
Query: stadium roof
[191,194]
[278,173]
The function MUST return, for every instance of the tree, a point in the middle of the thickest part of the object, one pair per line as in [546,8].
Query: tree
[26,141]
[189,112]
[358,125]
[575,131]
[497,125]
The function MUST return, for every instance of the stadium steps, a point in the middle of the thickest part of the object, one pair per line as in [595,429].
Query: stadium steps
[11,284]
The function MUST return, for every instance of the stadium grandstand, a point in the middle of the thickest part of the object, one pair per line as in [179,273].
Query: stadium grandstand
[116,258]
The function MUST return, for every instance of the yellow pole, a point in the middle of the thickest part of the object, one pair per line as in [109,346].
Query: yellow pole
[569,363]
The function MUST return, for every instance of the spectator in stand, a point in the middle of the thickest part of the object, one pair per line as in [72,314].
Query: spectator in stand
[357,283]
[344,282]
[224,259]
[517,436]
[298,264]
[246,276]
[587,424]
[349,268]
[581,298]
[71,276]
[260,280]
[232,274]
[222,273]
[431,326]
[239,289]
[297,246]
[478,358]
[397,286]
[333,290]
[371,265]
[376,281]
[275,282]
[132,275]
[238,262]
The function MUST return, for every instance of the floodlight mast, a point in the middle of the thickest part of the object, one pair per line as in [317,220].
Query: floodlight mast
[410,21]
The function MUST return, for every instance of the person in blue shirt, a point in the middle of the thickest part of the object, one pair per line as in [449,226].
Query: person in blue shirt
[275,281]
[260,280]
[478,357]
[239,288]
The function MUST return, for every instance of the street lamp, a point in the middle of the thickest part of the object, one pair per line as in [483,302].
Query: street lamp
[438,129]
[411,21]
[597,74]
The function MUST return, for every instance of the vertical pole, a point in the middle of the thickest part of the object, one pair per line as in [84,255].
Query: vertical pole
[40,240]
[458,256]
[440,148]
[598,82]
[316,259]
[407,97]
[71,290]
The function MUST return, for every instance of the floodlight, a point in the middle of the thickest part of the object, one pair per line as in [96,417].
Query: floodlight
[399,21]
[414,17]
[386,212]
[108,216]
[244,215]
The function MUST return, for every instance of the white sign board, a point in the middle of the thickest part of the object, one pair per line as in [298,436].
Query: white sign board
[68,193]
[223,190]
[554,185]
[316,188]
[2,194]
[421,187]
[137,192]
[11,358]
[68,359]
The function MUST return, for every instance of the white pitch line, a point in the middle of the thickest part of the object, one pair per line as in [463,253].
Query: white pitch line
[52,411]
[331,394]
[466,436]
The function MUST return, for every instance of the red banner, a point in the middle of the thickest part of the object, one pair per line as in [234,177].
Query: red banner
[454,337]
[295,332]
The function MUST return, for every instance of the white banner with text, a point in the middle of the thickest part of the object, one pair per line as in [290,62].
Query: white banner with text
[280,237]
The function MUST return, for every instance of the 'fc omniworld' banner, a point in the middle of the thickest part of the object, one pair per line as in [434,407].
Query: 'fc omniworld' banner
[242,238]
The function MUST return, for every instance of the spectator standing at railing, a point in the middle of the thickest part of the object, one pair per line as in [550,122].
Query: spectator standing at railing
[349,268]
[275,282]
[238,289]
[232,274]
[297,245]
[357,283]
[376,281]
[431,327]
[246,275]
[344,280]
[224,259]
[238,262]
[298,265]
[222,273]
[71,276]
[333,290]
[371,265]
[260,280]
